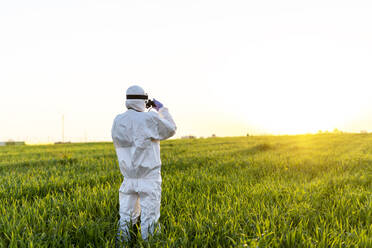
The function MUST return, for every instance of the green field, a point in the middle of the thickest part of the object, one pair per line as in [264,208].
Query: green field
[265,191]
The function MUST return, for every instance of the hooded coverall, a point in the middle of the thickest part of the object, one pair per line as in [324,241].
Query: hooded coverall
[136,135]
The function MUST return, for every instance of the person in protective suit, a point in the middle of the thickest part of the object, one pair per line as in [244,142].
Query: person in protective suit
[136,135]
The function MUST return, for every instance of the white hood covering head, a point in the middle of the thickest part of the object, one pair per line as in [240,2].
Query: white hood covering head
[136,104]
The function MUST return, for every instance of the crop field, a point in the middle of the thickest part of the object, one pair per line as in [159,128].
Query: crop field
[258,191]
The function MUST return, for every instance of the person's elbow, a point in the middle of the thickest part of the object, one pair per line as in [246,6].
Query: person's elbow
[173,131]
[168,132]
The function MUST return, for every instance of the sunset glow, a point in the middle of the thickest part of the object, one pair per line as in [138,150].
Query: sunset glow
[244,67]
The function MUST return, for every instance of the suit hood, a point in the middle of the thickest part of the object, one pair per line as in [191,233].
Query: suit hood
[136,104]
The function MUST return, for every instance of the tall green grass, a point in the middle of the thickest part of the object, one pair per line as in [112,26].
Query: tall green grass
[264,191]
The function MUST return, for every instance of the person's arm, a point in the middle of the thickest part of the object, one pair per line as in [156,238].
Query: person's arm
[166,127]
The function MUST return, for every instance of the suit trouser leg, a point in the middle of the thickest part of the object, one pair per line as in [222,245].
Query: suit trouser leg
[150,210]
[129,210]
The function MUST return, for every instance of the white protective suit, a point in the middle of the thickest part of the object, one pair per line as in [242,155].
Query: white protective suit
[136,135]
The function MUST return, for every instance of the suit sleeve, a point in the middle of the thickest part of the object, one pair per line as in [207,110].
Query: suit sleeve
[165,125]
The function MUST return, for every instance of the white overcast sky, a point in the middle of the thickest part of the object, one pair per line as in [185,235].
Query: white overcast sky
[224,67]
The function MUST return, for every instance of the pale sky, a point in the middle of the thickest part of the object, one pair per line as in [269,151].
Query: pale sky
[221,67]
